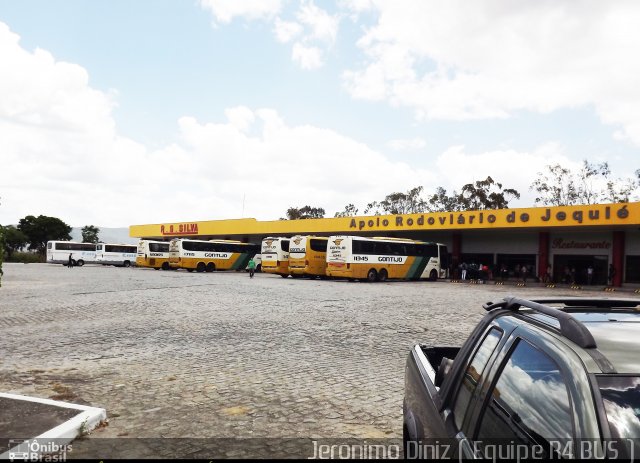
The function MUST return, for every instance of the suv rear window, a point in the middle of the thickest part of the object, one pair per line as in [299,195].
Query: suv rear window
[473,374]
[621,398]
[530,403]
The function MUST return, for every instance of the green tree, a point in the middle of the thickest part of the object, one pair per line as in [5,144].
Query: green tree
[305,212]
[559,186]
[373,208]
[479,195]
[555,187]
[349,211]
[14,240]
[486,194]
[410,202]
[440,201]
[41,229]
[90,234]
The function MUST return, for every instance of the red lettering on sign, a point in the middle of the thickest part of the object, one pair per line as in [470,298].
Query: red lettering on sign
[560,243]
[180,229]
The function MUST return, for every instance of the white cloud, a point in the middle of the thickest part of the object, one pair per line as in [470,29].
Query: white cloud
[407,144]
[306,57]
[59,87]
[286,31]
[314,29]
[323,26]
[471,60]
[62,156]
[225,11]
[357,6]
[240,117]
[456,167]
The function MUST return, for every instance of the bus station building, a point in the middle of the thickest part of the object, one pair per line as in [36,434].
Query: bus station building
[600,236]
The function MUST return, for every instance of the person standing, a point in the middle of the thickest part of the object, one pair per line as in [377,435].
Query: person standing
[504,273]
[590,275]
[612,274]
[252,267]
[70,262]
[463,270]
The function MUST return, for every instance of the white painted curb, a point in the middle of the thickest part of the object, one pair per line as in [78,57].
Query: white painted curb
[62,434]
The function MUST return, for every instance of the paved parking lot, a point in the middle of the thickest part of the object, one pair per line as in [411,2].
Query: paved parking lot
[177,354]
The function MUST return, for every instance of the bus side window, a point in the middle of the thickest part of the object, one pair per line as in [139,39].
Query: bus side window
[366,247]
[432,250]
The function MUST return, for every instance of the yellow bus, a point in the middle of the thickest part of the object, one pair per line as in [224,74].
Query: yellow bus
[154,254]
[275,256]
[208,256]
[308,256]
[378,259]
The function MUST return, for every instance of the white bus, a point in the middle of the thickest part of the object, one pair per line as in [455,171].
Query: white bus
[121,255]
[81,253]
[377,259]
[275,256]
[154,254]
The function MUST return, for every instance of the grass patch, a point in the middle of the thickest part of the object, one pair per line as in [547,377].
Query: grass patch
[26,258]
[62,392]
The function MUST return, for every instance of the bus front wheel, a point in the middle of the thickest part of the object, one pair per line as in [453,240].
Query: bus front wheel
[372,275]
[201,267]
[80,263]
[165,266]
[127,263]
[433,276]
[382,276]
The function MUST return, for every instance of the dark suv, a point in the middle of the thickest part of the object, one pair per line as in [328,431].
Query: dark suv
[548,377]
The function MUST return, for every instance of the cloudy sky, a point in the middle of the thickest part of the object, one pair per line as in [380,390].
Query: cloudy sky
[117,112]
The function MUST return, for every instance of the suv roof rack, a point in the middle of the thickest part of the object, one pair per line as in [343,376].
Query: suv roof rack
[570,327]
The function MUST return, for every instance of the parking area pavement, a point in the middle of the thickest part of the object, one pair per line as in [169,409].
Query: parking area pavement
[218,355]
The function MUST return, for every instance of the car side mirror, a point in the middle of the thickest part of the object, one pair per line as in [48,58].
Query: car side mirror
[443,371]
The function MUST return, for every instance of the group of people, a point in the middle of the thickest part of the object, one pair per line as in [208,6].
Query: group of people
[474,272]
[569,275]
[482,272]
[522,272]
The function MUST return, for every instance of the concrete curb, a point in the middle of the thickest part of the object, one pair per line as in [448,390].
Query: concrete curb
[59,436]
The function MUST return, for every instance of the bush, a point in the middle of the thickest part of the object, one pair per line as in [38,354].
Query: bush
[26,258]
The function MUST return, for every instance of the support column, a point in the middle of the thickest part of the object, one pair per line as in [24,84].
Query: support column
[456,247]
[617,257]
[543,254]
